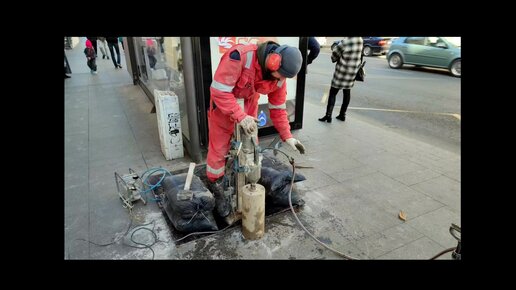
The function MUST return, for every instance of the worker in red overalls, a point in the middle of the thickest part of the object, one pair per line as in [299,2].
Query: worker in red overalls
[245,72]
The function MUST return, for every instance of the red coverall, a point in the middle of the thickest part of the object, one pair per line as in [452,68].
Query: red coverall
[240,79]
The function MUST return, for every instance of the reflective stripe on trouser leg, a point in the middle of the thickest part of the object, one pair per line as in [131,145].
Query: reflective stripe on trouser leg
[220,131]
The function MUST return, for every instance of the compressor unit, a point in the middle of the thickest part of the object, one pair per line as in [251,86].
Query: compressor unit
[129,187]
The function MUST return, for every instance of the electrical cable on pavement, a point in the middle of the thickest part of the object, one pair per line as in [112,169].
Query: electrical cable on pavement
[135,229]
[442,253]
[156,240]
[201,233]
[145,246]
[139,227]
[292,162]
[111,243]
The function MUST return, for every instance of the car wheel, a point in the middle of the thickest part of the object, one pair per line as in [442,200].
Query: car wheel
[455,68]
[395,60]
[367,51]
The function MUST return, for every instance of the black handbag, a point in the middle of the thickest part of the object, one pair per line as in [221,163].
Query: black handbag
[360,73]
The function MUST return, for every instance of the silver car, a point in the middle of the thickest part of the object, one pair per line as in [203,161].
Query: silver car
[441,52]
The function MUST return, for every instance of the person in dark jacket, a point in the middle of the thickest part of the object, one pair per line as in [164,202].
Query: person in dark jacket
[347,55]
[113,43]
[314,48]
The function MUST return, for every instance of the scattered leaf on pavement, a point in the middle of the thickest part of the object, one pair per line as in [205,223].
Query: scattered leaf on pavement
[402,216]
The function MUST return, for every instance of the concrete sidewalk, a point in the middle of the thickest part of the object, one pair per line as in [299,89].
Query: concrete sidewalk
[363,176]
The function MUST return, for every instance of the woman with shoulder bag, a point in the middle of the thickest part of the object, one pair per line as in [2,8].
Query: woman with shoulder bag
[347,55]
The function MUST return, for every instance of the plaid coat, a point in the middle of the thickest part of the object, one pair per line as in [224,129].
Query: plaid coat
[347,55]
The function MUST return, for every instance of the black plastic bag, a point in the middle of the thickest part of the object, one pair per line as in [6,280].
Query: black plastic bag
[277,186]
[202,221]
[186,215]
[360,73]
[276,177]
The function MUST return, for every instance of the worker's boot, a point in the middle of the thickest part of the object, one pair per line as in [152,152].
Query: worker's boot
[222,202]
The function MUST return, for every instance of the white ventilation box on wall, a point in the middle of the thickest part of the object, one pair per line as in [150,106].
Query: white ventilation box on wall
[169,124]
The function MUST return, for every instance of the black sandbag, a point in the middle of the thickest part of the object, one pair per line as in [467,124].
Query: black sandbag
[186,215]
[270,160]
[202,198]
[202,221]
[276,177]
[277,186]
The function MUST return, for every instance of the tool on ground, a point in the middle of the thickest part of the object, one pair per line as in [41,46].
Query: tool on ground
[186,193]
[129,187]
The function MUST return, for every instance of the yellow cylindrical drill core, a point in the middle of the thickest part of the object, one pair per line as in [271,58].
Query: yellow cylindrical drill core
[253,211]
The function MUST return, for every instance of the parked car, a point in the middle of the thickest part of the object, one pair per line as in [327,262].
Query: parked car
[438,52]
[372,45]
[376,45]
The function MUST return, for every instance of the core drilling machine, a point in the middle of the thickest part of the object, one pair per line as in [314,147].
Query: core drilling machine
[243,168]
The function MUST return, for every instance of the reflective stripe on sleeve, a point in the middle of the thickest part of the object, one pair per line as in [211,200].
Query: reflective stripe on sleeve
[221,87]
[249,59]
[282,106]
